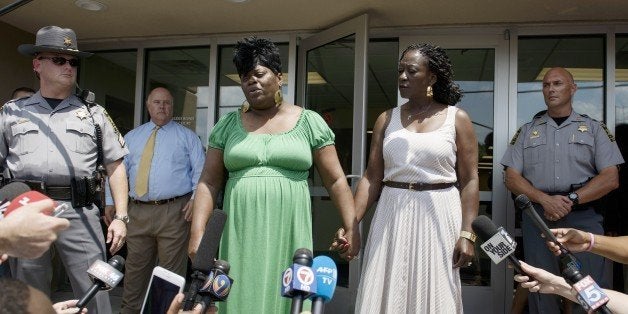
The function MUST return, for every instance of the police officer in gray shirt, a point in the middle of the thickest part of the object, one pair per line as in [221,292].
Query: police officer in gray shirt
[563,161]
[49,141]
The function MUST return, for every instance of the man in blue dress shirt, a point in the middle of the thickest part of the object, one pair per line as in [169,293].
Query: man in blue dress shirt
[160,206]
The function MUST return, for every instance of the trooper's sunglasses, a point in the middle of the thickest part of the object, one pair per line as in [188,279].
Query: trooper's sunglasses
[61,61]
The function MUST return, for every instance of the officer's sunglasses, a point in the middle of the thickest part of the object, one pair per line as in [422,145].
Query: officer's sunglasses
[61,61]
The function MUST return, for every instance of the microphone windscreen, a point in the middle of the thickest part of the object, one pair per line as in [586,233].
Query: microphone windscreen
[522,201]
[326,277]
[12,190]
[207,249]
[117,262]
[484,227]
[302,256]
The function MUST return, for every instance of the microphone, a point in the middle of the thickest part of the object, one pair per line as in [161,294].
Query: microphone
[298,281]
[31,197]
[105,276]
[590,296]
[567,259]
[498,244]
[9,192]
[217,286]
[326,278]
[204,258]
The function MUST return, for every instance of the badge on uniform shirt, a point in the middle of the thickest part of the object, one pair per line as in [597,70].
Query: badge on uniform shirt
[22,120]
[583,128]
[535,134]
[82,114]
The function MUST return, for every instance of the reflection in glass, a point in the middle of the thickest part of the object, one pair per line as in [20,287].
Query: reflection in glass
[111,76]
[582,56]
[185,72]
[230,96]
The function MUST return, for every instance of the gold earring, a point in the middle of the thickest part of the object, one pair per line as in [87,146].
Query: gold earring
[429,92]
[278,98]
[245,106]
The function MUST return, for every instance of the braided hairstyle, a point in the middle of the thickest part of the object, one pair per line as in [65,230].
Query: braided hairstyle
[445,90]
[253,51]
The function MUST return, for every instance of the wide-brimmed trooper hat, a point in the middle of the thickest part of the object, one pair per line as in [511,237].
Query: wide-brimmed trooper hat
[53,39]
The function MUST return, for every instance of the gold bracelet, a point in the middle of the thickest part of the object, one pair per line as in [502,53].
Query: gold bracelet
[468,235]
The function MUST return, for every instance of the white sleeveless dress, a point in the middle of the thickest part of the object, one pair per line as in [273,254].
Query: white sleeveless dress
[409,253]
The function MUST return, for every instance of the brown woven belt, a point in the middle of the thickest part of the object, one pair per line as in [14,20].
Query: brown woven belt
[159,202]
[418,186]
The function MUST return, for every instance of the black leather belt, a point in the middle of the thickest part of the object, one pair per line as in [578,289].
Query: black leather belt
[59,192]
[159,202]
[418,186]
[62,193]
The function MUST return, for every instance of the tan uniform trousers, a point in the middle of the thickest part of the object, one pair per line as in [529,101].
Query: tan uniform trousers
[156,235]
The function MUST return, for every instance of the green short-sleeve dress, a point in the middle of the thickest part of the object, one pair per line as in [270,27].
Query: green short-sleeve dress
[268,206]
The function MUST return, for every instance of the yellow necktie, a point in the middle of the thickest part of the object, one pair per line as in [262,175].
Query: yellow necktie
[141,181]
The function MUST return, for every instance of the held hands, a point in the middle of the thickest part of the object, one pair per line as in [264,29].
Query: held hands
[347,247]
[187,209]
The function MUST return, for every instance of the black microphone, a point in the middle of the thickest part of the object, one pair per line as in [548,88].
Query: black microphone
[567,259]
[299,281]
[105,276]
[498,244]
[590,296]
[204,258]
[9,192]
[217,286]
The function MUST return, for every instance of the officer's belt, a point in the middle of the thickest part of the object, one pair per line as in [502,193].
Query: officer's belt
[63,193]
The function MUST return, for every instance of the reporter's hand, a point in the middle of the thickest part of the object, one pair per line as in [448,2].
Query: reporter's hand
[177,303]
[572,239]
[542,281]
[67,307]
[27,232]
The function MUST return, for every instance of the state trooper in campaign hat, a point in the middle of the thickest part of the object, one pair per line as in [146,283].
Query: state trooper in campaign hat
[63,145]
[54,39]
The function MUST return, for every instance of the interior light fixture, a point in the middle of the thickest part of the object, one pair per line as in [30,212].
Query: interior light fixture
[90,5]
[588,74]
[313,78]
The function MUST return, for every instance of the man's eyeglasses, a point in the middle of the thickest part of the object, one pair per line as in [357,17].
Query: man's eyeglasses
[61,61]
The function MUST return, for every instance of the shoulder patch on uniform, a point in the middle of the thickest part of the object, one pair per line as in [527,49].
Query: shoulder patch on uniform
[610,135]
[514,138]
[115,128]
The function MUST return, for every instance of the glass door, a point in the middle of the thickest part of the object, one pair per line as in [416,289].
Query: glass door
[332,82]
[480,66]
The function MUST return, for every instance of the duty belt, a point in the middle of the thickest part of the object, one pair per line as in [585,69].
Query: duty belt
[418,186]
[62,193]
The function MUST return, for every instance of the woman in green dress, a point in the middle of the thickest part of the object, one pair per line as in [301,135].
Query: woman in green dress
[267,148]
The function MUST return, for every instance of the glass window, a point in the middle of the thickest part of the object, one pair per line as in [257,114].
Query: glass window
[111,76]
[185,72]
[230,96]
[583,56]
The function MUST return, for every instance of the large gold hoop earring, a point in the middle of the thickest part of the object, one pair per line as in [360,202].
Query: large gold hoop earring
[430,92]
[245,106]
[278,98]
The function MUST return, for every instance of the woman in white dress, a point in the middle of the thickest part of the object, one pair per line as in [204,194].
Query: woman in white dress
[423,167]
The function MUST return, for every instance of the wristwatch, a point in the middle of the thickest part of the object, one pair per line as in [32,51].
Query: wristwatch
[124,219]
[573,197]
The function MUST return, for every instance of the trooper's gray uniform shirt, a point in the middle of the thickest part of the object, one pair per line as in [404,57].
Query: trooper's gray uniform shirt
[554,157]
[54,145]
